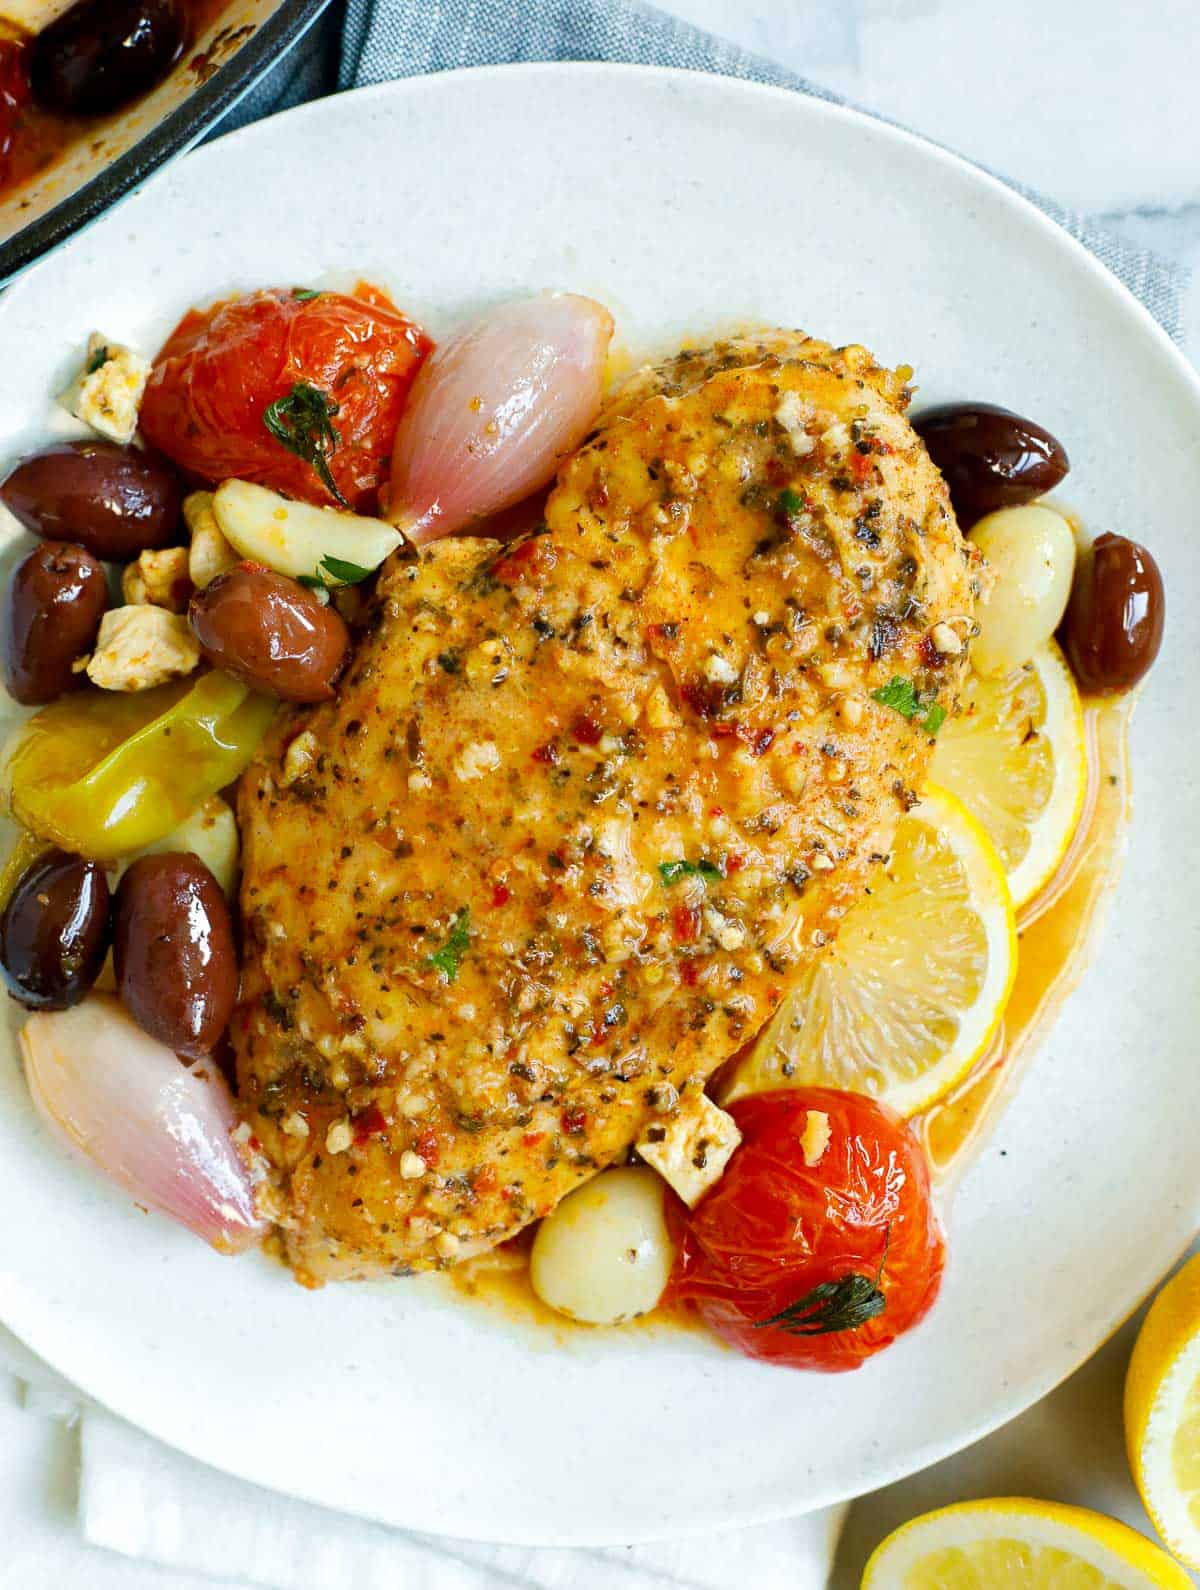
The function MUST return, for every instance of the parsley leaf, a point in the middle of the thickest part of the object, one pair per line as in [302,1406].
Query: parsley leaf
[790,501]
[671,871]
[903,697]
[305,295]
[449,957]
[98,360]
[833,1306]
[345,573]
[303,422]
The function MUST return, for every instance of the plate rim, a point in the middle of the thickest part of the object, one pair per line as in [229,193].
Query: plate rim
[1115,1312]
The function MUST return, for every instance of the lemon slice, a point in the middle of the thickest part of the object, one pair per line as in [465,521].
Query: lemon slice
[1162,1413]
[913,988]
[1015,755]
[1019,1545]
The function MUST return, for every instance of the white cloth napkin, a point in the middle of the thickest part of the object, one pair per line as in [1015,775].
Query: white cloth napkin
[141,1498]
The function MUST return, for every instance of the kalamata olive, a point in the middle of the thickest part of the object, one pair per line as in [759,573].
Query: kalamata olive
[54,931]
[102,54]
[270,633]
[173,952]
[53,609]
[990,457]
[1114,623]
[114,500]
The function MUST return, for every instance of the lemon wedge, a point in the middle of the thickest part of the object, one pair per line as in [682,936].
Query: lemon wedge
[1020,1545]
[1162,1413]
[910,993]
[1015,755]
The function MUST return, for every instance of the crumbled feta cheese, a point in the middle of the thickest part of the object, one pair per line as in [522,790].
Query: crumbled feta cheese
[793,413]
[818,861]
[814,1140]
[339,1137]
[140,647]
[720,670]
[412,1166]
[299,758]
[160,579]
[210,554]
[762,618]
[851,710]
[476,759]
[690,1149]
[446,1244]
[295,1125]
[660,714]
[946,640]
[107,392]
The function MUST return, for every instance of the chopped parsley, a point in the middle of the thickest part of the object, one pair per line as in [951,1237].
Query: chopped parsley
[671,871]
[98,360]
[832,1306]
[305,295]
[449,958]
[335,571]
[303,422]
[790,501]
[903,697]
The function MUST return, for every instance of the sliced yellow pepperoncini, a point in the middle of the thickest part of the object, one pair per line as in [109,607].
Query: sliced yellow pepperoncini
[105,774]
[25,850]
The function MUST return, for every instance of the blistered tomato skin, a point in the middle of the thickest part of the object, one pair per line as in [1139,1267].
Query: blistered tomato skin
[859,1221]
[53,609]
[54,931]
[222,367]
[1113,627]
[990,458]
[115,501]
[173,952]
[270,633]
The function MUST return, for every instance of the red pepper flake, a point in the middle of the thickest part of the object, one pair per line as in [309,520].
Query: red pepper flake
[882,446]
[685,921]
[757,741]
[528,560]
[501,895]
[368,1123]
[774,995]
[861,466]
[547,753]
[586,729]
[930,656]
[777,471]
[428,1146]
[689,973]
[734,862]
[485,1181]
[574,1122]
[532,1139]
[716,811]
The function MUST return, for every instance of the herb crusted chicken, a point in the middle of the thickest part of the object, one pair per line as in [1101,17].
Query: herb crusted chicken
[583,803]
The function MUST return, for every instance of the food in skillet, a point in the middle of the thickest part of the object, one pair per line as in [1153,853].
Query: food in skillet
[545,866]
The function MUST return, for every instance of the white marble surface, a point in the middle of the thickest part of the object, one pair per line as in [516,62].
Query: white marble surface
[1094,105]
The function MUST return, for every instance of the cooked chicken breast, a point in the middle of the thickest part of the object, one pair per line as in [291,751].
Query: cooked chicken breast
[584,802]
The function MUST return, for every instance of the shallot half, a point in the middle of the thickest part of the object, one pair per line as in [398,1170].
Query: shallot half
[161,1129]
[494,410]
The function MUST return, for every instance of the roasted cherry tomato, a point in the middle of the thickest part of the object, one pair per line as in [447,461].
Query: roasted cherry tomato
[814,1266]
[300,391]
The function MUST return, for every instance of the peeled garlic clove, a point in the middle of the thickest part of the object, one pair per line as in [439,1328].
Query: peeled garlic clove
[162,1130]
[298,538]
[495,409]
[604,1254]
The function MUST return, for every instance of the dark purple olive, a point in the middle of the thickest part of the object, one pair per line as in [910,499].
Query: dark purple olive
[1113,626]
[173,952]
[116,501]
[990,457]
[54,931]
[52,611]
[103,54]
[270,633]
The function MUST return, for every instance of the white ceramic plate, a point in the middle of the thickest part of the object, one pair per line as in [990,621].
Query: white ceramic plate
[682,201]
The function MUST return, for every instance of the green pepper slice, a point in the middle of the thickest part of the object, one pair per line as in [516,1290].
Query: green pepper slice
[105,774]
